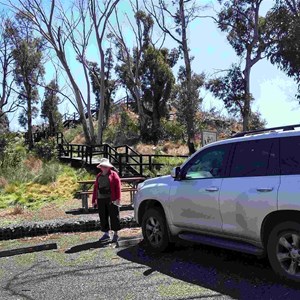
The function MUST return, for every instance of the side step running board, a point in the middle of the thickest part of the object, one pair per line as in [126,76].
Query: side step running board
[222,243]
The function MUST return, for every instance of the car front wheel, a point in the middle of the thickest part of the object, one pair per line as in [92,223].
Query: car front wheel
[284,250]
[155,231]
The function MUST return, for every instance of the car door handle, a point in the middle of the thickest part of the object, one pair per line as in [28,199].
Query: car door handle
[212,189]
[264,190]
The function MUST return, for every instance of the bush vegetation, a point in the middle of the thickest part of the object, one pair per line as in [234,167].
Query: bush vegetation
[29,179]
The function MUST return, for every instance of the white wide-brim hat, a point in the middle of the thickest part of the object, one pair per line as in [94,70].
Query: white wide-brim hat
[104,162]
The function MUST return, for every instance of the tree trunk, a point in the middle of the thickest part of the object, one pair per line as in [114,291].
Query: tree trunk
[141,113]
[247,102]
[88,108]
[51,123]
[29,123]
[156,131]
[76,90]
[102,97]
[190,114]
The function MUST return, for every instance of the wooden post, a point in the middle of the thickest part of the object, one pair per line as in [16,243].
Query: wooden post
[84,198]
[71,151]
[120,165]
[141,165]
[150,163]
[91,154]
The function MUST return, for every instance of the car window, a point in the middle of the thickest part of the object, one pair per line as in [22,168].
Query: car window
[290,155]
[207,164]
[254,158]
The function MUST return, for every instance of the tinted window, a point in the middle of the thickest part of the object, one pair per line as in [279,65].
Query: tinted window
[255,158]
[208,163]
[290,155]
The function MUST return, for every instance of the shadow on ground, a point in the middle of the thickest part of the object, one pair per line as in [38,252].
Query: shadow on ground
[93,245]
[227,272]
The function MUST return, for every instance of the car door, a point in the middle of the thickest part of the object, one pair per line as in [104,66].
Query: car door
[289,191]
[194,198]
[250,191]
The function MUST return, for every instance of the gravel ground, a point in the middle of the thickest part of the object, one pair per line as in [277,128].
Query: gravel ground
[79,269]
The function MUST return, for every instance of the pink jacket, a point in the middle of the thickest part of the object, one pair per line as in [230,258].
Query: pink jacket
[115,186]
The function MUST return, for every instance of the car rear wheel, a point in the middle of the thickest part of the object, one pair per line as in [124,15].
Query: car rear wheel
[155,230]
[284,250]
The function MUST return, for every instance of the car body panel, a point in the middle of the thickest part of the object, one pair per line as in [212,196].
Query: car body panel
[192,206]
[243,207]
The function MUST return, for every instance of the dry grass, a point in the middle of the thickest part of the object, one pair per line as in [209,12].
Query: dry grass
[169,148]
[175,149]
[79,139]
[49,211]
[17,210]
[3,182]
[33,164]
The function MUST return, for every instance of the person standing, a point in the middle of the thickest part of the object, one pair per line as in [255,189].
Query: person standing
[107,196]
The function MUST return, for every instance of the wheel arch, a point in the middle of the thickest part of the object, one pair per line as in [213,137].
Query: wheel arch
[275,218]
[147,204]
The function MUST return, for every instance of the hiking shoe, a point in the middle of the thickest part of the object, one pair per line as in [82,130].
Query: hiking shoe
[104,238]
[115,238]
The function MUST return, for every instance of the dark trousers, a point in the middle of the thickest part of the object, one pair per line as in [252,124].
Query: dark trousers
[108,210]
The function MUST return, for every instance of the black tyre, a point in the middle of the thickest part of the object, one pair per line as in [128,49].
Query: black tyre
[284,250]
[155,231]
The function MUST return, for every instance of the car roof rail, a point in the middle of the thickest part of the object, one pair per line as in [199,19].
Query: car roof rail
[284,128]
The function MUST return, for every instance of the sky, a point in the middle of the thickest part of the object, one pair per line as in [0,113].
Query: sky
[273,91]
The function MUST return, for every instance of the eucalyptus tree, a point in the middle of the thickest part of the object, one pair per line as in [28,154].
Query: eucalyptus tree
[284,19]
[249,34]
[29,70]
[174,19]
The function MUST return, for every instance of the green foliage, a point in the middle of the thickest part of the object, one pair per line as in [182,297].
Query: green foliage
[249,35]
[284,25]
[230,89]
[187,99]
[157,81]
[169,163]
[11,160]
[28,70]
[173,130]
[45,149]
[256,121]
[50,107]
[48,173]
[148,76]
[124,132]
[71,133]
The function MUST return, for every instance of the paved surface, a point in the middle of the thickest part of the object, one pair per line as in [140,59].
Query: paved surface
[187,272]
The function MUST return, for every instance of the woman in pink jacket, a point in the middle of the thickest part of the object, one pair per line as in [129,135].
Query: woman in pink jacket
[107,196]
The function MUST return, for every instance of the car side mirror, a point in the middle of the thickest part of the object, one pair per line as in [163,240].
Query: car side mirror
[175,172]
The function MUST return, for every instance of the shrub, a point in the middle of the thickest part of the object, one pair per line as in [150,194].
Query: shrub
[172,130]
[45,149]
[72,133]
[125,131]
[48,173]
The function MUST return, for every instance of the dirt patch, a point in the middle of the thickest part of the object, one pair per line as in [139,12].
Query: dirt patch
[49,211]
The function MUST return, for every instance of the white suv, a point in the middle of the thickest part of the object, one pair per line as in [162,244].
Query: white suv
[241,194]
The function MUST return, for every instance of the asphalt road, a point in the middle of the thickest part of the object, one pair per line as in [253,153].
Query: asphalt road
[187,272]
